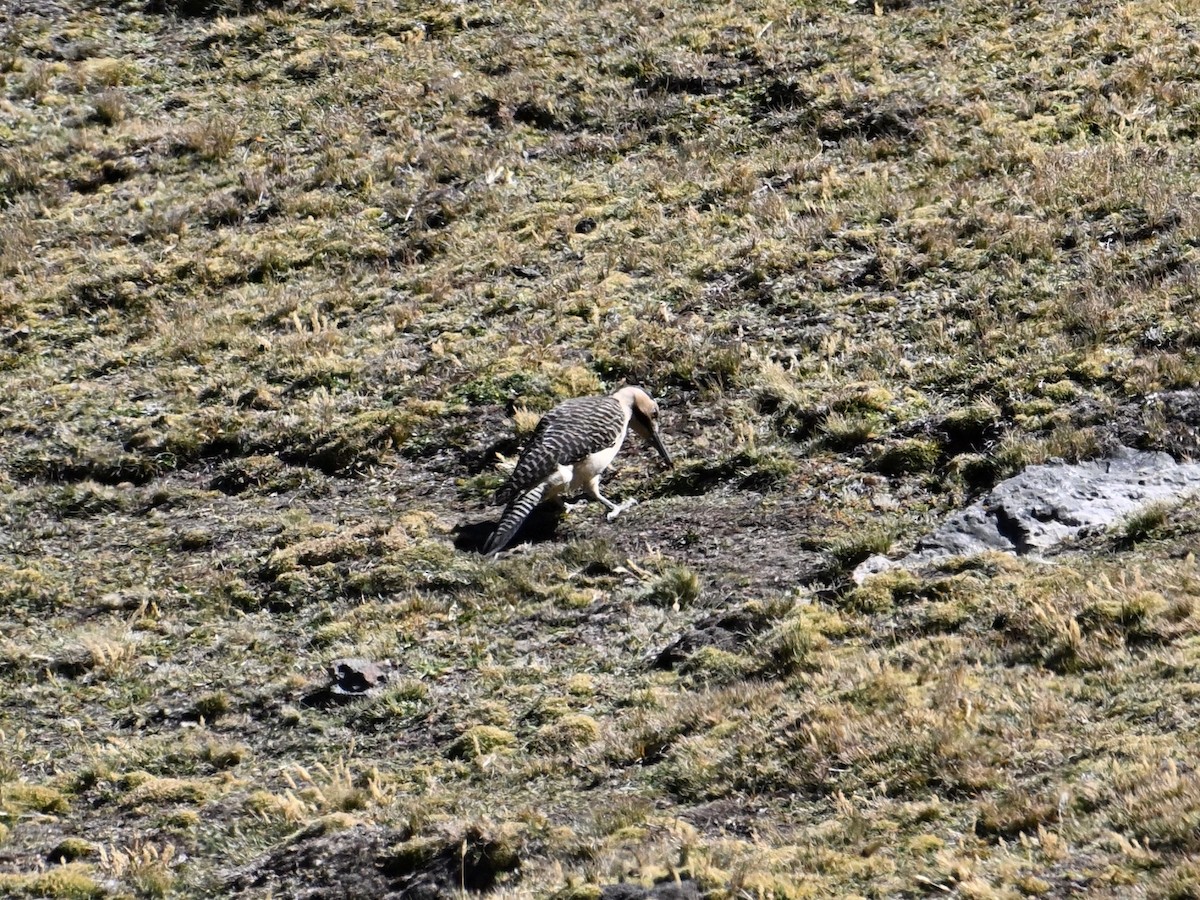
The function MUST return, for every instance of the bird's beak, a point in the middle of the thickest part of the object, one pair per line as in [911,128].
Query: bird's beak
[656,440]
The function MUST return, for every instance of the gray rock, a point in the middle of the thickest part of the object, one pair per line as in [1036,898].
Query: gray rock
[1033,512]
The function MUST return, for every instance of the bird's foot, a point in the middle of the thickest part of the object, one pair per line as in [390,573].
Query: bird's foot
[621,507]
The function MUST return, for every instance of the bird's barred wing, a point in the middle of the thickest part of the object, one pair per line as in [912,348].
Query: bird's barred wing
[566,434]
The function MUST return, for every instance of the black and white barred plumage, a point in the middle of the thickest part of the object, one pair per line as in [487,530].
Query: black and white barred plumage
[566,434]
[571,446]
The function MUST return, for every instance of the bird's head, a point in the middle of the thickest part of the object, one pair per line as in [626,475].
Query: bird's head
[643,416]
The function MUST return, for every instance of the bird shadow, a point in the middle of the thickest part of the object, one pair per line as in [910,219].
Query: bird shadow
[539,528]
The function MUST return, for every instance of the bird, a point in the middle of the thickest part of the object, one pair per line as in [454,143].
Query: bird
[571,447]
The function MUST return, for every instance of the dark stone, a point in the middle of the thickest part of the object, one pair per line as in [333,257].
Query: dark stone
[355,676]
[729,631]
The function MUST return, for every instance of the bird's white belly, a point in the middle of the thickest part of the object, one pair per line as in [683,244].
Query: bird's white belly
[576,478]
[591,466]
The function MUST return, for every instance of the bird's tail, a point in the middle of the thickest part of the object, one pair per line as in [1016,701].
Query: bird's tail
[514,516]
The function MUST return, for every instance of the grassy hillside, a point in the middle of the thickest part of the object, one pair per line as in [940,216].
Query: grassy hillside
[280,282]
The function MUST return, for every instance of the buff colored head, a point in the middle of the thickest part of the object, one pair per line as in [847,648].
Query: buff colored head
[644,418]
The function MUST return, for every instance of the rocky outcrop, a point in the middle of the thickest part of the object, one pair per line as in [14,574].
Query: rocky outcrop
[1045,505]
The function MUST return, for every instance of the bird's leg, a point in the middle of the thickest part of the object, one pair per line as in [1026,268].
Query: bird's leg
[614,509]
[621,507]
